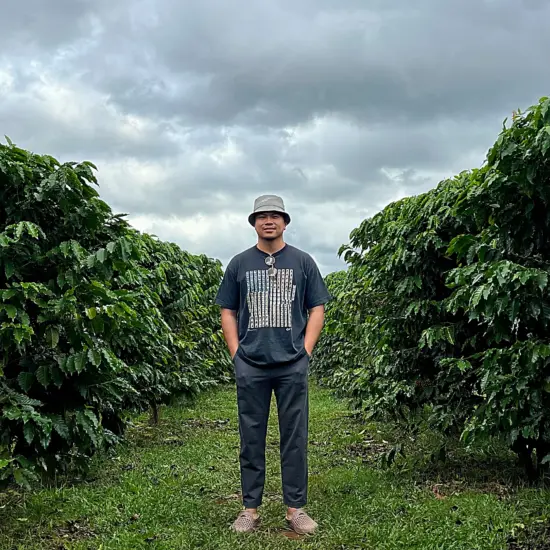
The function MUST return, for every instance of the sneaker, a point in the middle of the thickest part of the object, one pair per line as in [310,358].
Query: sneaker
[301,523]
[246,521]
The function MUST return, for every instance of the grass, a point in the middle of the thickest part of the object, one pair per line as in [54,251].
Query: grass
[176,486]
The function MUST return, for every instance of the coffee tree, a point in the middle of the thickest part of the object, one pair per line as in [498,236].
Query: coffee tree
[96,319]
[450,289]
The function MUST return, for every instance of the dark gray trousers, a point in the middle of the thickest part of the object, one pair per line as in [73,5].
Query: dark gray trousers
[254,388]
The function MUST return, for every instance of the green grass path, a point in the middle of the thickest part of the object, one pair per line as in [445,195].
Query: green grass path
[176,486]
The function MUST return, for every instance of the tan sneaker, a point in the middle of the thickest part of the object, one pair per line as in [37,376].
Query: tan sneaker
[301,523]
[246,521]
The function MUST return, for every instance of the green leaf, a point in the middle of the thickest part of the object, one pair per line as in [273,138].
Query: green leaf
[463,365]
[9,269]
[60,426]
[95,357]
[34,230]
[43,375]
[19,230]
[91,312]
[57,376]
[68,364]
[78,251]
[4,463]
[476,296]
[509,150]
[52,336]
[125,249]
[65,248]
[80,361]
[26,380]
[20,478]
[92,417]
[542,280]
[10,310]
[29,432]
[25,319]
[61,280]
[5,241]
[87,424]
[18,334]
[98,325]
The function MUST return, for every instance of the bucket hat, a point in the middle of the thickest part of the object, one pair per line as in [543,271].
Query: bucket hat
[268,203]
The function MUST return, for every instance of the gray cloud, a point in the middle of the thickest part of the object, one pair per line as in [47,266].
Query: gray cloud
[190,110]
[33,24]
[275,64]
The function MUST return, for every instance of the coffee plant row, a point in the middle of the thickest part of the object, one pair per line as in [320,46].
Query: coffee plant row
[444,310]
[96,319]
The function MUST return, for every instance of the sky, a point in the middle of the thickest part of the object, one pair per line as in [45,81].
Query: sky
[190,110]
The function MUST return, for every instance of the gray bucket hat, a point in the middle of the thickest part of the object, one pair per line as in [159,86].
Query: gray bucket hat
[268,203]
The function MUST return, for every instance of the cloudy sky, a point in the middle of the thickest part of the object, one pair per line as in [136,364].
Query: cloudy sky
[192,109]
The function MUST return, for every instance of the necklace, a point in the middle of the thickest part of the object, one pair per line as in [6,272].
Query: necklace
[270,261]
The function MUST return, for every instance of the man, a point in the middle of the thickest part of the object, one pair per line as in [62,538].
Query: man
[272,298]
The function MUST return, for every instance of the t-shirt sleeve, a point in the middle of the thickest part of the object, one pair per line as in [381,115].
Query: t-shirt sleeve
[316,289]
[228,293]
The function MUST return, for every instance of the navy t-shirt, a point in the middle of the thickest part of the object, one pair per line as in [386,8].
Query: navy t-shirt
[272,311]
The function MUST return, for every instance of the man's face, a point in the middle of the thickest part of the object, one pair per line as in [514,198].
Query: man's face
[269,225]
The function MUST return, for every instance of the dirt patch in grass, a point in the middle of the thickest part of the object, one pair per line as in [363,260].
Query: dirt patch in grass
[452,488]
[69,532]
[369,450]
[205,424]
[292,535]
[499,475]
[169,433]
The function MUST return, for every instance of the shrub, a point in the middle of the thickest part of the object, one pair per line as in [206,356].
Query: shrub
[451,291]
[96,319]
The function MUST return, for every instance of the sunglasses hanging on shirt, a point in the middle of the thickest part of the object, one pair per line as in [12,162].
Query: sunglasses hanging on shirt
[270,261]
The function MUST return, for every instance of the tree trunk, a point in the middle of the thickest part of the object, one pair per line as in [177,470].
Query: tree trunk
[524,451]
[154,413]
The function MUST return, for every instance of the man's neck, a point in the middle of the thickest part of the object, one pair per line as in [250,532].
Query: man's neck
[270,247]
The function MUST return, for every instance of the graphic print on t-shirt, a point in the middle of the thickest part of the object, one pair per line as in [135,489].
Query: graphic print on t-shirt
[270,299]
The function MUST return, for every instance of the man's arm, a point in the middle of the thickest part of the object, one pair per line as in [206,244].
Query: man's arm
[314,327]
[230,330]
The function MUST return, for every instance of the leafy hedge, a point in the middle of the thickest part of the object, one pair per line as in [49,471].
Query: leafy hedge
[446,302]
[96,319]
